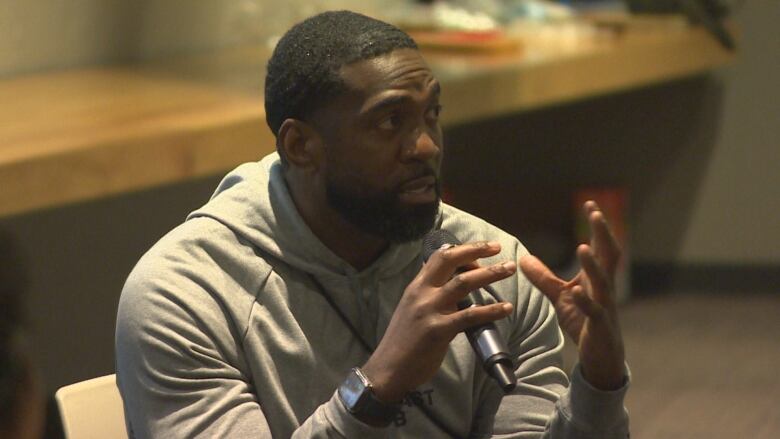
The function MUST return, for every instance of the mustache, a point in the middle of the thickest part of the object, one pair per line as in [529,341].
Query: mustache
[422,170]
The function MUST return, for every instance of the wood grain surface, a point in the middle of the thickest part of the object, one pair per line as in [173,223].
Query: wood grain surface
[76,135]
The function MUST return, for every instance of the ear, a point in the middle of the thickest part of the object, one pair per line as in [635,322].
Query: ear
[300,143]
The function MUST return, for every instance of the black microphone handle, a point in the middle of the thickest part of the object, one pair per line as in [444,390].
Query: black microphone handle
[485,339]
[492,352]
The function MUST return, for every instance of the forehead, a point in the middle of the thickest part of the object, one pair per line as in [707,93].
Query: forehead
[402,69]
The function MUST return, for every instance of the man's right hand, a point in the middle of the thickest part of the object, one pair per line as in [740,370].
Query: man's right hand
[427,318]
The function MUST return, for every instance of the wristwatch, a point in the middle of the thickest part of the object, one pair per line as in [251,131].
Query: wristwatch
[357,395]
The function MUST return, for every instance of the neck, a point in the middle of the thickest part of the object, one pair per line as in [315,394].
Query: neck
[343,238]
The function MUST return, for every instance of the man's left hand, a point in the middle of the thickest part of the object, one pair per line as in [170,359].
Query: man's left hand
[585,305]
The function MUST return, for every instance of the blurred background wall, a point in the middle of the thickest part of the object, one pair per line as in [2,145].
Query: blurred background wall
[699,157]
[52,34]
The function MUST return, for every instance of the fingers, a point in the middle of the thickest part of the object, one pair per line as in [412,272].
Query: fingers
[463,283]
[478,315]
[603,241]
[542,277]
[585,303]
[441,266]
[600,282]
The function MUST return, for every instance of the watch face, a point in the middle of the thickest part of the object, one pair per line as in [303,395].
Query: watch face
[351,391]
[355,392]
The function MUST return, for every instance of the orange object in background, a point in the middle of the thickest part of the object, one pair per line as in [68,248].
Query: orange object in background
[613,202]
[489,41]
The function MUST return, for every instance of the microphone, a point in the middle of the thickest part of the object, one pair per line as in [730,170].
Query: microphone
[485,339]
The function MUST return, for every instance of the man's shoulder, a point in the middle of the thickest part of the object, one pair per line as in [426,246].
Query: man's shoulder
[199,256]
[468,227]
[197,240]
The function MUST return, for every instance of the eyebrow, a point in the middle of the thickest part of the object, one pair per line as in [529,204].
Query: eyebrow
[391,101]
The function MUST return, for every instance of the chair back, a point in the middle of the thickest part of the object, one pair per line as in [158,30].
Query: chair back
[92,409]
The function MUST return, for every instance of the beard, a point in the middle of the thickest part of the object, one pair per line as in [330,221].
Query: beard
[381,213]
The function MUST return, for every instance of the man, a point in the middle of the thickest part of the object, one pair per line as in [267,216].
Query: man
[296,302]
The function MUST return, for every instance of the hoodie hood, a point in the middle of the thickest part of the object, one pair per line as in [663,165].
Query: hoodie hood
[253,201]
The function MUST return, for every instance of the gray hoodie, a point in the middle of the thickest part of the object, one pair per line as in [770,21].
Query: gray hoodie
[221,332]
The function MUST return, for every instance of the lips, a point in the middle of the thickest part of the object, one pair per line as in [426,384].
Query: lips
[418,184]
[419,190]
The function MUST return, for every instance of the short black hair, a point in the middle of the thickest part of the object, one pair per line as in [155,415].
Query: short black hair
[303,72]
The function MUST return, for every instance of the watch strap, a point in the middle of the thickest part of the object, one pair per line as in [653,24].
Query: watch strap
[366,406]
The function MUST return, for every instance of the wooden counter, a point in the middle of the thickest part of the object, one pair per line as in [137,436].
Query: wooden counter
[81,134]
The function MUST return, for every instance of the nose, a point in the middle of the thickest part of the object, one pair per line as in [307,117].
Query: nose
[423,146]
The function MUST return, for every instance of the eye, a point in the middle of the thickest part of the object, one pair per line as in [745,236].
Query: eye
[390,123]
[434,112]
